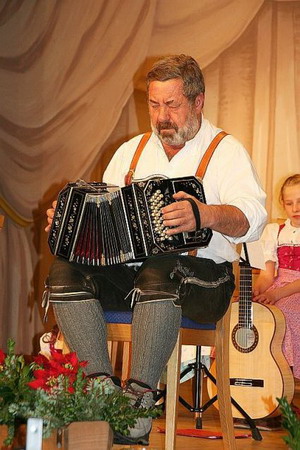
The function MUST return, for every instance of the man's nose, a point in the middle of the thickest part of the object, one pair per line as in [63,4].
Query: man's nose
[163,113]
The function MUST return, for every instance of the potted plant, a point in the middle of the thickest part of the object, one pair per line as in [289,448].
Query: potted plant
[291,423]
[57,391]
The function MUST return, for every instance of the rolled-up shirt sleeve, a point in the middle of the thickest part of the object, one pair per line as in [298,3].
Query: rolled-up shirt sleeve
[257,217]
[238,185]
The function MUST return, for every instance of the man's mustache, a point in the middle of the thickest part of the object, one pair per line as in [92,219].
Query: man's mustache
[166,126]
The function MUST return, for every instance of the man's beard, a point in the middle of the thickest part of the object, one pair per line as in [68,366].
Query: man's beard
[181,135]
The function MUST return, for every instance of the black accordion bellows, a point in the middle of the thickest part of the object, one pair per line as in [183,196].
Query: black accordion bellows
[99,224]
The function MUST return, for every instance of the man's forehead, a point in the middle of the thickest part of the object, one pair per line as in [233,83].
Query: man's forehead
[166,90]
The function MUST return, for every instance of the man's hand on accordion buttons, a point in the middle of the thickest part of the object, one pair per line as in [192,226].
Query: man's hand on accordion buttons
[179,216]
[50,215]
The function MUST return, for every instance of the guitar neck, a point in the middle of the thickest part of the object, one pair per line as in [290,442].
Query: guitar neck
[245,301]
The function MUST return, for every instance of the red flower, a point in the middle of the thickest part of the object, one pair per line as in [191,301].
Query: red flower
[41,360]
[46,376]
[2,359]
[67,364]
[43,380]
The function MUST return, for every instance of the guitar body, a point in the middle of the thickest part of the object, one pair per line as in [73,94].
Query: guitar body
[259,372]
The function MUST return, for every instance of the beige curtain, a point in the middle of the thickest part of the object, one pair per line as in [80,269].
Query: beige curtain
[72,89]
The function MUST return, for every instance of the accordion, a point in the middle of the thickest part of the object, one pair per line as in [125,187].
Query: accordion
[100,224]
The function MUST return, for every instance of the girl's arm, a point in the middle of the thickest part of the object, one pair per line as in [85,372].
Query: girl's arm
[274,295]
[264,279]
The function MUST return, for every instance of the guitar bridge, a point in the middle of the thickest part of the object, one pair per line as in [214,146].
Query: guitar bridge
[246,382]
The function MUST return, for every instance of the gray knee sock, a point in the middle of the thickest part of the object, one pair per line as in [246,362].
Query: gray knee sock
[84,328]
[155,329]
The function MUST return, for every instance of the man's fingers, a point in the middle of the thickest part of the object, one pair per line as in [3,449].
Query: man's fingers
[180,195]
[49,220]
[179,215]
[50,214]
[173,215]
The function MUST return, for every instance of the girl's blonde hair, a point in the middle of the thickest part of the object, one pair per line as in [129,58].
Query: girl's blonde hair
[290,181]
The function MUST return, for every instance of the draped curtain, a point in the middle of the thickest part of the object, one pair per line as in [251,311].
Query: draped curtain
[72,89]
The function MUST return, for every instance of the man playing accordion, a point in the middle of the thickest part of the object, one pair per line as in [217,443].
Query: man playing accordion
[162,288]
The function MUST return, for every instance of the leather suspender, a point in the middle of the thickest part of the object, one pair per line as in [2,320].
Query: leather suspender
[208,154]
[200,172]
[136,157]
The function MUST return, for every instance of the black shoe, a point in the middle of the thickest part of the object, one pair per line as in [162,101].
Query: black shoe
[127,440]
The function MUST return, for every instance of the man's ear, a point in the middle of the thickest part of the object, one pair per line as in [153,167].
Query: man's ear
[199,102]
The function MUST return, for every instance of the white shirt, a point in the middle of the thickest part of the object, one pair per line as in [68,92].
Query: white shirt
[270,240]
[230,179]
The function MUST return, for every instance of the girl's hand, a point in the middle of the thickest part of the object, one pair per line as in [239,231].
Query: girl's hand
[255,293]
[267,298]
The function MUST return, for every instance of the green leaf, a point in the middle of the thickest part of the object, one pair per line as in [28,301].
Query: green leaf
[291,423]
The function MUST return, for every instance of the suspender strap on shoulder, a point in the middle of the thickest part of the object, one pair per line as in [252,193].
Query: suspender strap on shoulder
[204,163]
[208,154]
[136,156]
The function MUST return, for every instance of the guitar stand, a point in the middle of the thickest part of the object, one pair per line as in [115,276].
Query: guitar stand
[199,368]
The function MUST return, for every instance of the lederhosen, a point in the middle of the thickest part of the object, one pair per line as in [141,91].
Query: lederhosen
[200,286]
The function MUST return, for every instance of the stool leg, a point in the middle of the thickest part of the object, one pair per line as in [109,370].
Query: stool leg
[223,386]
[126,361]
[173,380]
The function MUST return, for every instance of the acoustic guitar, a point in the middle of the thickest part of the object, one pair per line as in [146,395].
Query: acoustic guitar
[258,370]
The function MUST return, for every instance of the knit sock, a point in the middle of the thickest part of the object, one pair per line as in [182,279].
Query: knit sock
[84,328]
[155,329]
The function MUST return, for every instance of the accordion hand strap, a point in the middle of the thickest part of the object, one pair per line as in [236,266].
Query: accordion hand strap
[136,157]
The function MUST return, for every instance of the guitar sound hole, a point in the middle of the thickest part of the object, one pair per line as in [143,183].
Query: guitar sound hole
[244,339]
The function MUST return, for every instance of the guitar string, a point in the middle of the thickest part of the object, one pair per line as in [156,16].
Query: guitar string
[246,311]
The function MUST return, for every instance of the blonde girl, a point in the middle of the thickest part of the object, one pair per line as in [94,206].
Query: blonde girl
[279,283]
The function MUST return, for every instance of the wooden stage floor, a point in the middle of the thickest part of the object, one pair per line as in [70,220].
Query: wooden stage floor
[270,439]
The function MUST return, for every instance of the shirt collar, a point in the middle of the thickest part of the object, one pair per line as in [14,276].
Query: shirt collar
[288,225]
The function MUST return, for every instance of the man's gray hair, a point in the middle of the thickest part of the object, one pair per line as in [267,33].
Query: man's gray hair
[179,66]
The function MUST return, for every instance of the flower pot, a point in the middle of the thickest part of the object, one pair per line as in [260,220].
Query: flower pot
[82,435]
[88,436]
[19,440]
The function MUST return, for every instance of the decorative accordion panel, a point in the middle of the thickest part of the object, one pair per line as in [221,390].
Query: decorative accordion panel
[98,224]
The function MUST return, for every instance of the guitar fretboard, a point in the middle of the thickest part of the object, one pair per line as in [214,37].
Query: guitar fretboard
[245,302]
